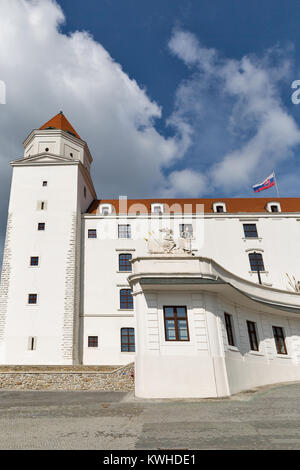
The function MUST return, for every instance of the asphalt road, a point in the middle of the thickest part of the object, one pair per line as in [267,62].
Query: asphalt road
[266,419]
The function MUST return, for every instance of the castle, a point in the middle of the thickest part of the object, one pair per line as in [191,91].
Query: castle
[203,294]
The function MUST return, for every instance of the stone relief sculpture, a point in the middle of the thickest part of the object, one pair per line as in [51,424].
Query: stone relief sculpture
[167,243]
[293,283]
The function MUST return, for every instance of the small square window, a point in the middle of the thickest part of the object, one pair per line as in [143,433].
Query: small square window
[92,233]
[34,261]
[250,230]
[93,341]
[124,231]
[41,226]
[45,183]
[32,298]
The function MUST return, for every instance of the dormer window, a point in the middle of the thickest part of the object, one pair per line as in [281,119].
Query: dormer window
[157,209]
[105,209]
[273,207]
[219,207]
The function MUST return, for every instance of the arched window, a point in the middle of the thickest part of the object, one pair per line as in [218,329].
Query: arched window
[126,299]
[256,262]
[124,262]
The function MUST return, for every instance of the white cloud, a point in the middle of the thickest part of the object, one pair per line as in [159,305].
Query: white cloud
[234,107]
[185,183]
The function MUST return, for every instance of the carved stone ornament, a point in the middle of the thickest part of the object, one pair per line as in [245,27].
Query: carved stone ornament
[167,244]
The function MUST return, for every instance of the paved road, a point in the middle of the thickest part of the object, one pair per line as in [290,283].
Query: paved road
[267,419]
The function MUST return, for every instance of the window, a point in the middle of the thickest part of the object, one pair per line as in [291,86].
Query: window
[92,233]
[42,206]
[250,230]
[273,206]
[93,341]
[34,261]
[186,230]
[41,226]
[124,231]
[157,208]
[126,299]
[84,192]
[176,324]
[256,262]
[252,335]
[45,183]
[219,207]
[279,340]
[127,340]
[229,329]
[124,262]
[32,298]
[31,343]
[105,209]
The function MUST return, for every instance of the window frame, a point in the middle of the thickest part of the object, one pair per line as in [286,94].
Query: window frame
[128,336]
[258,255]
[30,297]
[219,204]
[277,338]
[229,326]
[125,264]
[34,265]
[92,343]
[252,335]
[175,318]
[247,232]
[90,231]
[128,231]
[129,305]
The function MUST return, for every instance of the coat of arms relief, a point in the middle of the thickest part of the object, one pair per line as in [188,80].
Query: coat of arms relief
[167,244]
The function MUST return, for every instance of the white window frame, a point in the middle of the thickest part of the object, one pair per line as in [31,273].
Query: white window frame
[273,203]
[105,209]
[215,204]
[159,206]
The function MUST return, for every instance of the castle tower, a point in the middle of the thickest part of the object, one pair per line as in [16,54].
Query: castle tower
[40,285]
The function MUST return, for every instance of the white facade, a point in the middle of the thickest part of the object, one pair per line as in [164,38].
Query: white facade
[77,315]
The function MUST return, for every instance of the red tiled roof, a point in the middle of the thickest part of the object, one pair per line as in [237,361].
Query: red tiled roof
[60,122]
[233,205]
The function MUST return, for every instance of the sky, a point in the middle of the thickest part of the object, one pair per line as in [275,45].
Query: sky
[174,98]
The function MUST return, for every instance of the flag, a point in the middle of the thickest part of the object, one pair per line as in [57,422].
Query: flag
[266,184]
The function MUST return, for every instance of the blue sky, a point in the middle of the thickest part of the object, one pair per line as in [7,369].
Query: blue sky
[136,34]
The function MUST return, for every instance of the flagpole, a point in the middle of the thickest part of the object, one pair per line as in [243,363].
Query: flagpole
[276,185]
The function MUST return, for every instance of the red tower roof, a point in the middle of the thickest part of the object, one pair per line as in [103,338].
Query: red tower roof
[60,122]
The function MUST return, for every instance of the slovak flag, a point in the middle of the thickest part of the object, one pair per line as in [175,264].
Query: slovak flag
[266,184]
